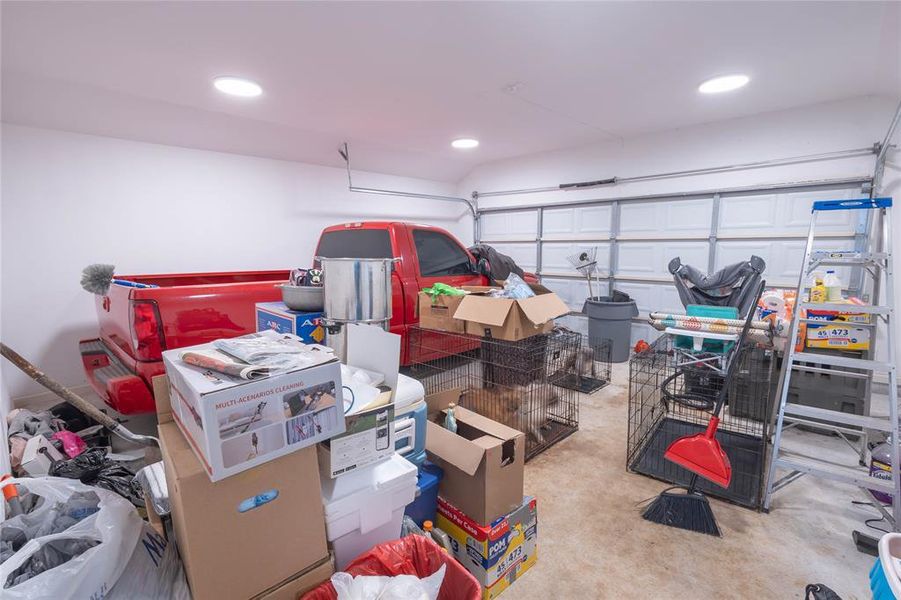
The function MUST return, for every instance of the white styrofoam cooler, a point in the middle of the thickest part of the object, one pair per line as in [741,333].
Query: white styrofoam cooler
[358,520]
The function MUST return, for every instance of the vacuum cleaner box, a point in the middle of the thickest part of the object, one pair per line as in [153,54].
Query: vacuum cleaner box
[234,424]
[497,553]
[482,462]
[276,316]
[241,536]
[509,319]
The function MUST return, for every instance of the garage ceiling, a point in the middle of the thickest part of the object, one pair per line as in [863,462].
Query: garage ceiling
[399,81]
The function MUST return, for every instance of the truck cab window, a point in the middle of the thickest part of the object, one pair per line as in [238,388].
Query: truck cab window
[355,243]
[439,255]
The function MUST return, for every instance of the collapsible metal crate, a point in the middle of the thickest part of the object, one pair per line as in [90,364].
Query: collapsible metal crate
[658,376]
[519,384]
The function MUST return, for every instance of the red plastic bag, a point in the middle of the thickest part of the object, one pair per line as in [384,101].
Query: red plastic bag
[411,555]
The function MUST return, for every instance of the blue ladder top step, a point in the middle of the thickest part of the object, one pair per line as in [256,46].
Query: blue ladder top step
[861,203]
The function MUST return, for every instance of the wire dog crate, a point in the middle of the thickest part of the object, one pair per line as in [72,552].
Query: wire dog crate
[671,395]
[518,383]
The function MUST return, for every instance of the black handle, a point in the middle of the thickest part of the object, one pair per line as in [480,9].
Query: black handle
[737,352]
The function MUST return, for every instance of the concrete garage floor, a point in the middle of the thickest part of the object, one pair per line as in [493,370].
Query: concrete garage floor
[593,542]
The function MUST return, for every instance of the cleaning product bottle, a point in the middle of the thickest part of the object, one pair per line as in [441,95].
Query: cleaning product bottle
[450,421]
[438,536]
[818,290]
[833,287]
[881,467]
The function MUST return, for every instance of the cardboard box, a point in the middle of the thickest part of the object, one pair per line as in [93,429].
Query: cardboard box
[241,536]
[511,320]
[278,317]
[34,460]
[301,583]
[234,424]
[438,314]
[839,330]
[368,439]
[368,436]
[838,336]
[482,462]
[496,554]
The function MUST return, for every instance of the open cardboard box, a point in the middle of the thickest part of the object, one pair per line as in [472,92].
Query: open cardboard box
[483,462]
[241,536]
[508,319]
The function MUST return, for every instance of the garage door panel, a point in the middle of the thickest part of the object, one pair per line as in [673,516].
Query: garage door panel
[554,257]
[651,297]
[573,291]
[580,222]
[779,214]
[523,253]
[667,218]
[650,259]
[518,225]
[783,257]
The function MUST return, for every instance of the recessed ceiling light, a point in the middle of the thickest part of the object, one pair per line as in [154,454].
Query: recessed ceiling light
[465,143]
[237,86]
[726,83]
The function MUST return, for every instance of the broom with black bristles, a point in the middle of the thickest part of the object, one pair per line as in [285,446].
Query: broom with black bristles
[702,455]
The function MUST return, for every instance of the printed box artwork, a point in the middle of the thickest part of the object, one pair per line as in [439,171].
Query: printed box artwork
[233,423]
[496,554]
[276,316]
[839,330]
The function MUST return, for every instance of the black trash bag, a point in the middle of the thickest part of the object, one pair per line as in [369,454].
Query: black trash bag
[92,467]
[618,296]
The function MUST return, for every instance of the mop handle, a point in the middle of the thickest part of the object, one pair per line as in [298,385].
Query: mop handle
[737,350]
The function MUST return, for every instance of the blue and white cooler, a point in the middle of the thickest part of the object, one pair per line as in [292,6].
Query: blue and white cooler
[410,414]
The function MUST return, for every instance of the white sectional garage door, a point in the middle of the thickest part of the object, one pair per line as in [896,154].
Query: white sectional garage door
[637,237]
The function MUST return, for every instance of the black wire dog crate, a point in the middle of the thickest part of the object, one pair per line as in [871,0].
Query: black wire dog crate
[528,385]
[671,395]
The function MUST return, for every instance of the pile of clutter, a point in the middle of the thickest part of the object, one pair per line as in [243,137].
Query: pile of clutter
[284,471]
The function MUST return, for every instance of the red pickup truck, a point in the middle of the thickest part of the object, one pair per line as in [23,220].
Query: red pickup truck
[137,324]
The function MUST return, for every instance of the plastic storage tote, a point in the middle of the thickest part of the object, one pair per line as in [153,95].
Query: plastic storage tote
[357,518]
[425,507]
[412,555]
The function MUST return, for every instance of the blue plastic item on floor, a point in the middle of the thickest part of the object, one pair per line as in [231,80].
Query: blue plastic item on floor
[417,458]
[885,576]
[425,506]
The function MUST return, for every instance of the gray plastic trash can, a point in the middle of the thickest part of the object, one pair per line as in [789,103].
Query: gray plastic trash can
[608,320]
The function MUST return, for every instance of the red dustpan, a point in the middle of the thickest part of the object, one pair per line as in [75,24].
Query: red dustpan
[702,454]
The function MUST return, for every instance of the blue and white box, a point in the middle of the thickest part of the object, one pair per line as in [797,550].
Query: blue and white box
[278,317]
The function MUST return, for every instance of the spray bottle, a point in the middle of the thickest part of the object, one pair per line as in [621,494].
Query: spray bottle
[450,421]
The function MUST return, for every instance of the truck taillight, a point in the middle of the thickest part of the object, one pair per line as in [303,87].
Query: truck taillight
[146,334]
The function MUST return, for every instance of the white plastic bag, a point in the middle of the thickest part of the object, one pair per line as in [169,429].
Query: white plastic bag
[400,587]
[91,574]
[154,572]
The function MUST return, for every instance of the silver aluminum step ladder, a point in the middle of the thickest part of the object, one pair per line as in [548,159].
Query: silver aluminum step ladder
[881,311]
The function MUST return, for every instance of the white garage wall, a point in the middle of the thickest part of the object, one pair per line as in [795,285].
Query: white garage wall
[69,200]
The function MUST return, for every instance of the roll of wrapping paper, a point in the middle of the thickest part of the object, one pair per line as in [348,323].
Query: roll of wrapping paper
[758,335]
[690,322]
